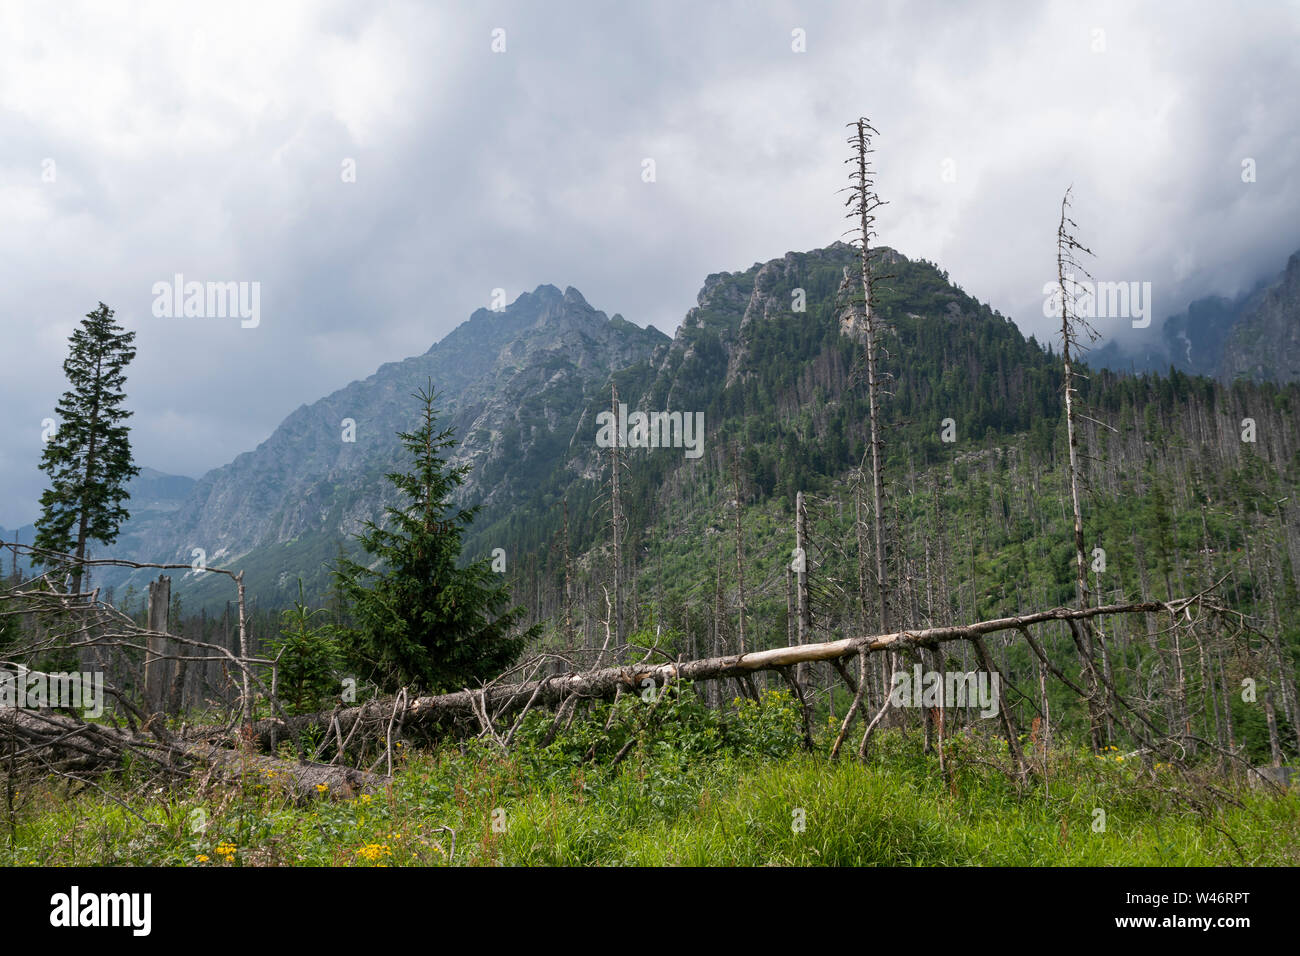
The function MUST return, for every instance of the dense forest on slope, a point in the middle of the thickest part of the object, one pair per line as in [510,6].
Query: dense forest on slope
[1189,487]
[978,525]
[1178,499]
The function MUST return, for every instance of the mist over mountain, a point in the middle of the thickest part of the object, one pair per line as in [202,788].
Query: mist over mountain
[1255,335]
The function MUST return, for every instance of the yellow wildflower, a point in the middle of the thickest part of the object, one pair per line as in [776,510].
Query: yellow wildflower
[373,852]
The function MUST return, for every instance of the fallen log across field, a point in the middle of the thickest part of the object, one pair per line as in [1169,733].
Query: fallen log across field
[43,741]
[501,699]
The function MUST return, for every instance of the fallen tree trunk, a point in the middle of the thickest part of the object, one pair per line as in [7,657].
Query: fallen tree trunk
[501,699]
[303,777]
[44,741]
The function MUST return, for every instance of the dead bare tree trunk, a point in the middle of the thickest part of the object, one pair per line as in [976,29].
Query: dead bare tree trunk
[859,529]
[865,202]
[246,696]
[1274,740]
[1072,326]
[740,552]
[176,692]
[568,583]
[157,662]
[789,605]
[616,523]
[804,626]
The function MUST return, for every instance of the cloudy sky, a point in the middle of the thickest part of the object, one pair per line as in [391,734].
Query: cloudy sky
[143,140]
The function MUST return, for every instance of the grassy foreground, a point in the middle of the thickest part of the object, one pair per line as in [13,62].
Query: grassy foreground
[701,790]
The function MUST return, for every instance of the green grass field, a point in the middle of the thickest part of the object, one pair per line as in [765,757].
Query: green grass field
[703,790]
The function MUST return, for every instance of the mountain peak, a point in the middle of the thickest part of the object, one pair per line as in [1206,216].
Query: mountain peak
[544,295]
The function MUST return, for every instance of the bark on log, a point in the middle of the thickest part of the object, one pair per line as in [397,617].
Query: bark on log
[604,683]
[48,741]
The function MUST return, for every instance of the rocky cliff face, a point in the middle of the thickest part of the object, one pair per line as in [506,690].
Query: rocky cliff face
[1255,336]
[522,387]
[728,308]
[1264,343]
[513,385]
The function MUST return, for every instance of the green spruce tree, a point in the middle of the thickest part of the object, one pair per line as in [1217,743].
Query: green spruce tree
[418,619]
[88,459]
[309,657]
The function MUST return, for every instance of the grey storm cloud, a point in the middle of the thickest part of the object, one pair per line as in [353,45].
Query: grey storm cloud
[209,140]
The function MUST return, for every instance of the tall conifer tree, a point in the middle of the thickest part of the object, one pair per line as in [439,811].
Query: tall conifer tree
[420,620]
[88,459]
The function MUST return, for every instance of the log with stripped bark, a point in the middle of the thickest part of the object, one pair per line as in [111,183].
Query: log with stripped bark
[65,745]
[503,699]
[44,741]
